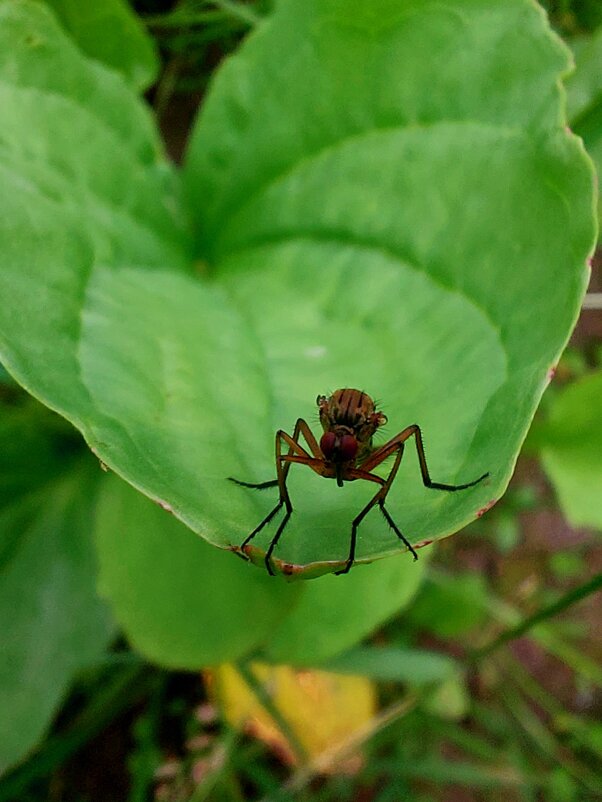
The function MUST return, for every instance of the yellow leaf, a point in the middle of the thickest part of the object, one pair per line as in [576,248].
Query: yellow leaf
[322,709]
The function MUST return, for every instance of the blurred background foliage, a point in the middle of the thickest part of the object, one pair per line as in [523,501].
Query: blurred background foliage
[487,686]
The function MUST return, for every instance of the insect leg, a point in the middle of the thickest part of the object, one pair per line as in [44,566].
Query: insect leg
[379,498]
[276,538]
[354,525]
[260,526]
[296,453]
[302,428]
[362,474]
[254,485]
[395,528]
[383,495]
[389,448]
[426,479]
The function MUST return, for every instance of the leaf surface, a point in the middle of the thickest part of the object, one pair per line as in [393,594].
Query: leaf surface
[571,450]
[182,603]
[51,620]
[324,710]
[584,97]
[382,199]
[415,667]
[108,30]
[334,612]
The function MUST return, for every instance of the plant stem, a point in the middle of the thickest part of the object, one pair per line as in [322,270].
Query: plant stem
[238,11]
[305,774]
[224,9]
[524,626]
[258,688]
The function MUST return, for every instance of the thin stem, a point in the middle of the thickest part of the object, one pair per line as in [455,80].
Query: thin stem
[238,11]
[259,690]
[167,85]
[551,610]
[543,739]
[224,9]
[305,774]
[535,693]
[593,300]
[182,19]
[223,772]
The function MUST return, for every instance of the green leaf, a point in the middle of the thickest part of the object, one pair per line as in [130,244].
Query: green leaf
[584,96]
[451,699]
[109,31]
[584,85]
[181,602]
[387,663]
[451,605]
[336,612]
[571,450]
[51,620]
[192,606]
[390,207]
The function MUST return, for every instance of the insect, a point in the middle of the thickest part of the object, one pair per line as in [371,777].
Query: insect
[345,452]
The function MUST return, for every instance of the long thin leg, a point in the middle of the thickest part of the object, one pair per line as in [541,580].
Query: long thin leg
[378,498]
[288,458]
[389,448]
[284,499]
[296,453]
[260,526]
[254,485]
[275,539]
[354,525]
[380,494]
[301,427]
[283,464]
[381,502]
[395,528]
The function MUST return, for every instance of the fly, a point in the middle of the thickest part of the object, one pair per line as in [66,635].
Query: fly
[345,452]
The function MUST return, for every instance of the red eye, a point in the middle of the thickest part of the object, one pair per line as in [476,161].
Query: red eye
[348,446]
[327,444]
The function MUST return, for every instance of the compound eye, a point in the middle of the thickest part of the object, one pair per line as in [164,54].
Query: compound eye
[348,447]
[327,442]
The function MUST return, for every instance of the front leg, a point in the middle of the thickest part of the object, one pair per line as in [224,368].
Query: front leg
[295,453]
[378,498]
[386,450]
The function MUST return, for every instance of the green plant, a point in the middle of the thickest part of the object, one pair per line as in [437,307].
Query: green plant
[374,195]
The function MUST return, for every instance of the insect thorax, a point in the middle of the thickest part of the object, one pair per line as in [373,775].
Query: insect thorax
[352,410]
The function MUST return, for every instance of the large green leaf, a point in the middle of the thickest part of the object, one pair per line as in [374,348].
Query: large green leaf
[187,605]
[392,663]
[385,197]
[51,620]
[387,194]
[109,31]
[571,450]
[584,85]
[182,603]
[332,615]
[584,96]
